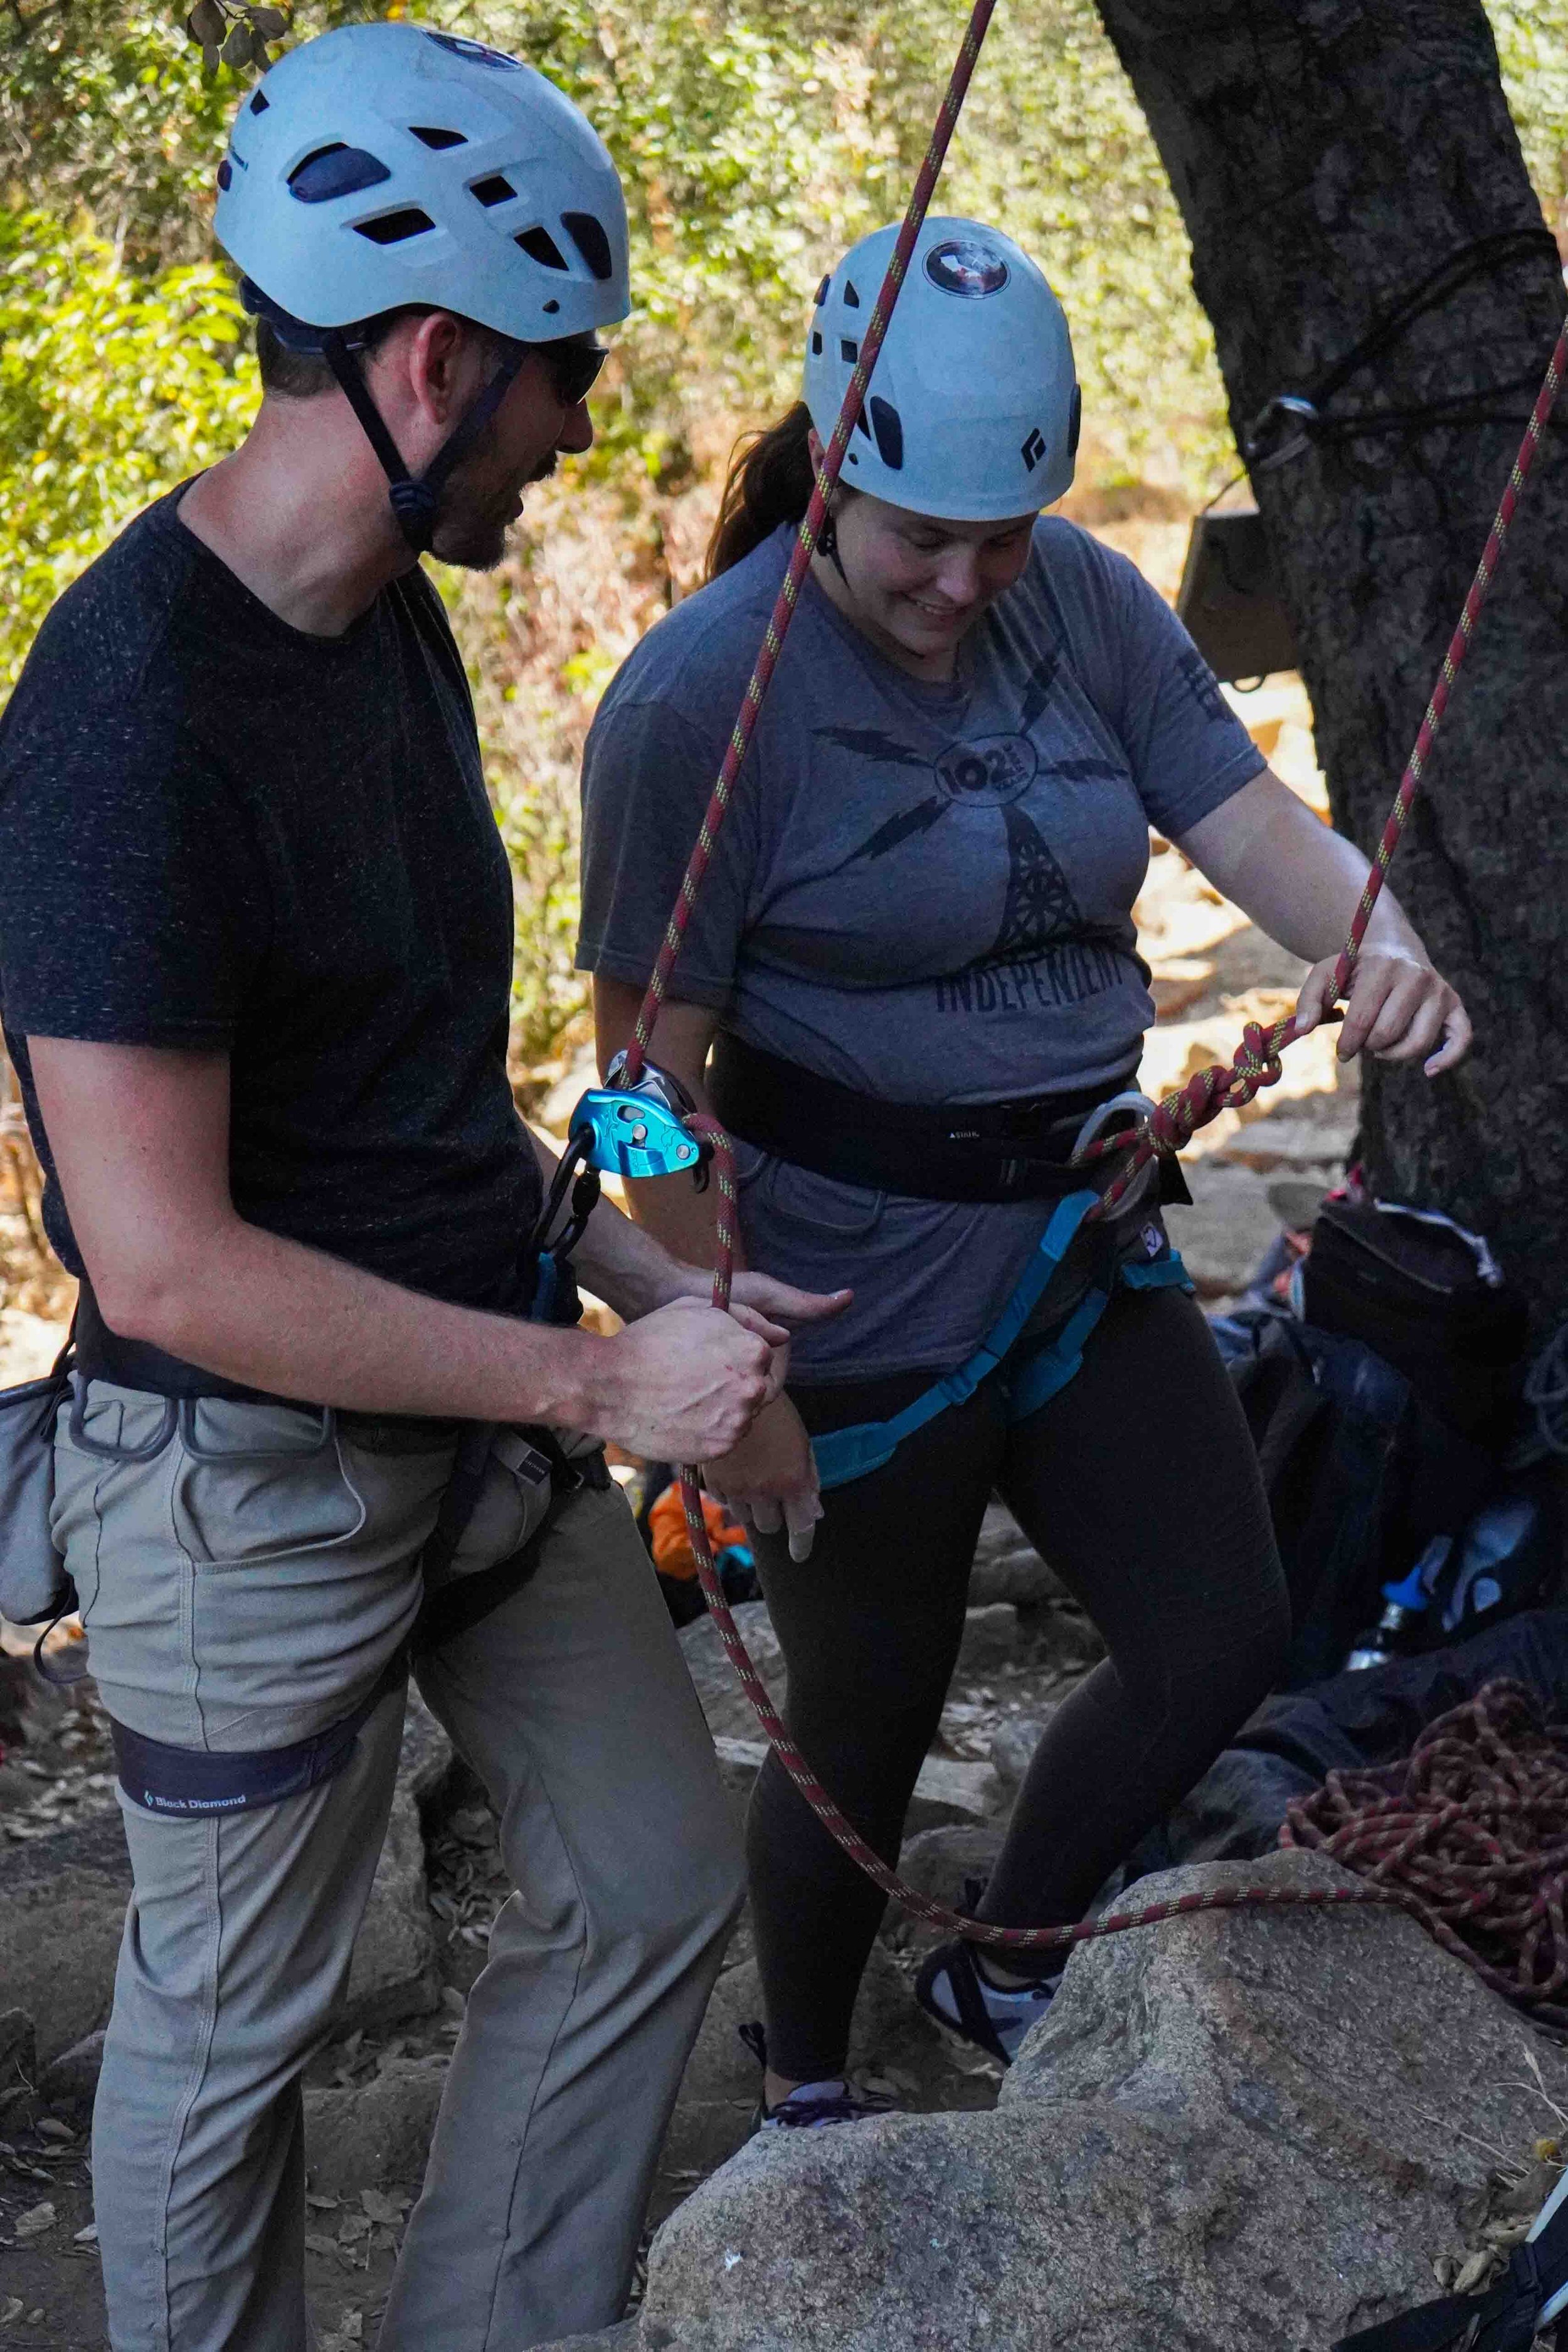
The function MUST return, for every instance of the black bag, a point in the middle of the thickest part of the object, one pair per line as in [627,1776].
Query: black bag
[1430,1299]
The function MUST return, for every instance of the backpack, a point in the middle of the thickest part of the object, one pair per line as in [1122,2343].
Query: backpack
[1381,1415]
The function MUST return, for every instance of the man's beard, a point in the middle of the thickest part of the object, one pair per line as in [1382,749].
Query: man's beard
[473,520]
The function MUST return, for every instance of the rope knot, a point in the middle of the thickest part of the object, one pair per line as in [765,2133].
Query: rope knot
[1257,1065]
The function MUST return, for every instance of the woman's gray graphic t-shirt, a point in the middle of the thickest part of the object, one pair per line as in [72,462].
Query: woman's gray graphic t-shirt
[922,891]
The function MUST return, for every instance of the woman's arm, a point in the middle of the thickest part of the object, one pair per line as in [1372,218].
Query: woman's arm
[1301,882]
[770,1480]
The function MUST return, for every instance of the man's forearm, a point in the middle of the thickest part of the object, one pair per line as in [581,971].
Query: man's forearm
[278,1316]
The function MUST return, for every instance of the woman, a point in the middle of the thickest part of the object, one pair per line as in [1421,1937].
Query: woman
[914,961]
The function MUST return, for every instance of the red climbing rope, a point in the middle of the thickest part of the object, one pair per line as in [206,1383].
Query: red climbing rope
[1174,1122]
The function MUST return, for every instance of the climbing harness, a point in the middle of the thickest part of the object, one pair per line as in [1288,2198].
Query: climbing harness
[1062,1280]
[1168,1127]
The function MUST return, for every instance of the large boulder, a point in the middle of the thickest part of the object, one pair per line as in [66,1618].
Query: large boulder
[1241,2131]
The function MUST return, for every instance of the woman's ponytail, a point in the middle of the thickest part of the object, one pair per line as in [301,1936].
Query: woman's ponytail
[770,479]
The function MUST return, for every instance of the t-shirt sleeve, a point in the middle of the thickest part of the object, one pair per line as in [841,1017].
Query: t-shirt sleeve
[648,774]
[1188,750]
[129,906]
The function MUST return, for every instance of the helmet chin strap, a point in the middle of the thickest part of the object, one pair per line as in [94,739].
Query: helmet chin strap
[415,500]
[828,544]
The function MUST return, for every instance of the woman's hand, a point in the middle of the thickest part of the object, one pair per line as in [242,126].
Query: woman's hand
[1399,1008]
[769,1479]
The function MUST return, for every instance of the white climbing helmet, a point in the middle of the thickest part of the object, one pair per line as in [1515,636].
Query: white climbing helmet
[383,164]
[972,413]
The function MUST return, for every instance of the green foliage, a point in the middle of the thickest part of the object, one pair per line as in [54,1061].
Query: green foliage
[110,389]
[756,139]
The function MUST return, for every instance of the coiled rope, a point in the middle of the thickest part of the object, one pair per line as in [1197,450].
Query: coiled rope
[1173,1123]
[1472,1825]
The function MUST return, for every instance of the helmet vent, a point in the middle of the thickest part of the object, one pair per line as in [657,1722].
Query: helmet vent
[336,171]
[493,191]
[888,427]
[541,246]
[851,299]
[588,235]
[821,292]
[849,350]
[435,138]
[816,343]
[259,105]
[393,228]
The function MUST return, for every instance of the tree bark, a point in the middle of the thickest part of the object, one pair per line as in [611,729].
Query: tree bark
[1327,155]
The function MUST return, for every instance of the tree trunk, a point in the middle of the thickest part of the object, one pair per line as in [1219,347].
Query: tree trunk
[1327,155]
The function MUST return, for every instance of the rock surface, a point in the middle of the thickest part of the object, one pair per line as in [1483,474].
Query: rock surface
[62,1906]
[394,1973]
[372,2134]
[1235,2132]
[1007,1567]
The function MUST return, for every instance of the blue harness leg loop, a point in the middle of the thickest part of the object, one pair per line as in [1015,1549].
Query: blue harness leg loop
[842,1454]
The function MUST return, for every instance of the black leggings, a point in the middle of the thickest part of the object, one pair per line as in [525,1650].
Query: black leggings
[1139,1483]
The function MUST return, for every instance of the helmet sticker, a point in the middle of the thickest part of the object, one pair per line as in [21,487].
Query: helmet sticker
[475,52]
[965,267]
[1034,449]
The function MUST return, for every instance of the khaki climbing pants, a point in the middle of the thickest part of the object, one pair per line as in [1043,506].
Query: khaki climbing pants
[244,1582]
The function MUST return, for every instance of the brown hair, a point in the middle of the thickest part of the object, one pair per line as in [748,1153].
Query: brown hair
[302,375]
[769,482]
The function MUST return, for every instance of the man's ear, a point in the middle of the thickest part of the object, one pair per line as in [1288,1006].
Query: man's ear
[438,356]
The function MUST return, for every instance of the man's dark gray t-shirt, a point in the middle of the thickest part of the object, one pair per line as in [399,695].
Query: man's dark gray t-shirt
[925,892]
[216,832]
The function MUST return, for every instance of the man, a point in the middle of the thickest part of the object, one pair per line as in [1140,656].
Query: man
[255,950]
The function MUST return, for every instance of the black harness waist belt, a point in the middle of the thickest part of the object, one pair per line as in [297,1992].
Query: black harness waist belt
[929,1151]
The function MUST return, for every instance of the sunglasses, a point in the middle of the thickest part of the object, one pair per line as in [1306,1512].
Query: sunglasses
[572,369]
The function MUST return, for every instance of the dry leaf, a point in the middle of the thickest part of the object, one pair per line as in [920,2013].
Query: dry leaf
[35,2221]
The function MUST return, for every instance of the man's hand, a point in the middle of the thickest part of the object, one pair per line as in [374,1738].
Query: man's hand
[683,1382]
[1399,1008]
[769,1480]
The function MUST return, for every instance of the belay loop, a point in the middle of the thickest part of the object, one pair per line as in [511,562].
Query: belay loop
[1172,1123]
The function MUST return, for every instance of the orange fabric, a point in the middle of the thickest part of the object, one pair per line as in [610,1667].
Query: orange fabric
[672,1553]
